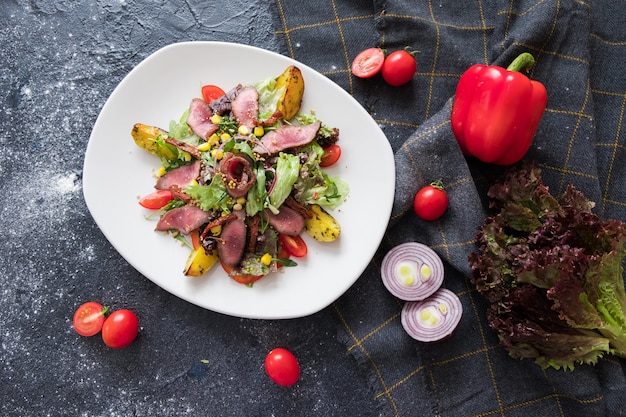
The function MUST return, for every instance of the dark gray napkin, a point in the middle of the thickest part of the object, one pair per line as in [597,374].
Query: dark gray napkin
[579,49]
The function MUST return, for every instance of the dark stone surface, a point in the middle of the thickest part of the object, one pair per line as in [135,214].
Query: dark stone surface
[59,61]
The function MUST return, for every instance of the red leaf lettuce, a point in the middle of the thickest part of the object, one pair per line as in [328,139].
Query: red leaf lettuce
[552,273]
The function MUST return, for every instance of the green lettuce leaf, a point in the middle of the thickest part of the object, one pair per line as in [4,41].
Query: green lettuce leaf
[287,169]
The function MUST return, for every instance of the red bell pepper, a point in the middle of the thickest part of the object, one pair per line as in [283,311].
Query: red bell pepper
[496,111]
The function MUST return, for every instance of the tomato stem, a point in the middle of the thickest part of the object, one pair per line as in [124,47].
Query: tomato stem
[523,62]
[437,184]
[411,51]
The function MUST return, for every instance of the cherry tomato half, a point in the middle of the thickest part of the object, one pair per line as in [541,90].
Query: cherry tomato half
[211,92]
[89,317]
[431,202]
[368,63]
[282,367]
[120,329]
[245,279]
[156,200]
[399,67]
[293,245]
[331,155]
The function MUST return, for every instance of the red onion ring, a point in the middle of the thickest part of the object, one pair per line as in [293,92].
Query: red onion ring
[434,318]
[412,271]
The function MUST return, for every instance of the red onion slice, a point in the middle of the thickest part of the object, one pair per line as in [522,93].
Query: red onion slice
[412,271]
[434,318]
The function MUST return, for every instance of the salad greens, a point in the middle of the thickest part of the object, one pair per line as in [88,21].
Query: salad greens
[552,273]
[239,205]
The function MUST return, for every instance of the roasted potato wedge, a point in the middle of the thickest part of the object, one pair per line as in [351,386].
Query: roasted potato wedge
[199,262]
[322,226]
[145,135]
[289,103]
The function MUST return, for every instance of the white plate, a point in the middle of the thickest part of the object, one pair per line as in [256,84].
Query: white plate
[117,172]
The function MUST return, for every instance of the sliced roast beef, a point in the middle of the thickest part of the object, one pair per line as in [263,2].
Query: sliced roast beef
[232,242]
[237,173]
[199,119]
[180,177]
[223,104]
[245,107]
[288,221]
[184,219]
[286,137]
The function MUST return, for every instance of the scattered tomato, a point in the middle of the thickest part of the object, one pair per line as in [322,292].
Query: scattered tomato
[331,155]
[368,63]
[282,367]
[156,200]
[89,317]
[211,92]
[245,279]
[293,245]
[120,329]
[399,67]
[431,202]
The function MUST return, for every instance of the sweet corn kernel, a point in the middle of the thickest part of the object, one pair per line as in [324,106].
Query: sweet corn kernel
[187,157]
[193,182]
[243,130]
[161,172]
[238,206]
[259,131]
[266,259]
[213,140]
[203,147]
[216,119]
[225,136]
[216,231]
[241,200]
[217,154]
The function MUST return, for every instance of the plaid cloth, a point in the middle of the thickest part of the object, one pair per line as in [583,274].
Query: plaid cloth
[579,47]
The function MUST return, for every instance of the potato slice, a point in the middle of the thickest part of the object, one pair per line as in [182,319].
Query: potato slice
[322,226]
[199,262]
[145,136]
[289,103]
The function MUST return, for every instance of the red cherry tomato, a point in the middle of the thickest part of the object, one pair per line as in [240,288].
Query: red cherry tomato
[245,279]
[282,367]
[89,317]
[431,202]
[368,63]
[399,67]
[293,245]
[156,200]
[120,329]
[331,155]
[211,92]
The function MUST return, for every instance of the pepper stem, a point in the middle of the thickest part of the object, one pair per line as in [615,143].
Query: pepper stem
[524,61]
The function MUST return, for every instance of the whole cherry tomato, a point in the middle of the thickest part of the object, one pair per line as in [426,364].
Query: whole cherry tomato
[399,67]
[282,367]
[89,318]
[211,92]
[331,155]
[431,202]
[120,329]
[368,63]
